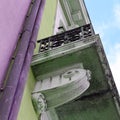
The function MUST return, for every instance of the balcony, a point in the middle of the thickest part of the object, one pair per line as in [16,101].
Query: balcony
[64,43]
[69,50]
[79,33]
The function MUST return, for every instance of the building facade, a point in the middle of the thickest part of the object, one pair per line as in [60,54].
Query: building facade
[69,76]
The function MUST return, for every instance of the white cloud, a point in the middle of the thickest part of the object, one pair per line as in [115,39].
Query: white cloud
[114,59]
[101,29]
[116,11]
[106,26]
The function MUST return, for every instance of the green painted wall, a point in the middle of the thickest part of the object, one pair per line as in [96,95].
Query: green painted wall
[46,29]
[26,109]
[90,60]
[92,108]
[48,20]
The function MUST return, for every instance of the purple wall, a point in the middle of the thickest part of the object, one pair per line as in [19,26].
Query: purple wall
[12,15]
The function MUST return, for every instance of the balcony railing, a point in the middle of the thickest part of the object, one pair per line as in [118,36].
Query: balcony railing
[79,33]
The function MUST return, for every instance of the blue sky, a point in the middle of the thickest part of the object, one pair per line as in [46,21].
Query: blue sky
[105,17]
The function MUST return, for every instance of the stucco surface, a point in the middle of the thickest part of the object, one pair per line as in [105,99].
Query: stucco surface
[12,15]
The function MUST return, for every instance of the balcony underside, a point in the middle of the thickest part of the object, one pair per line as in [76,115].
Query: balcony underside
[92,108]
[86,55]
[101,100]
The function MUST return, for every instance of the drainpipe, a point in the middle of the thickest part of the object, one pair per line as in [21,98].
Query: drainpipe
[26,65]
[12,82]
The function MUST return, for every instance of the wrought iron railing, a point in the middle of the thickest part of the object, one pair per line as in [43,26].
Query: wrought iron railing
[66,37]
